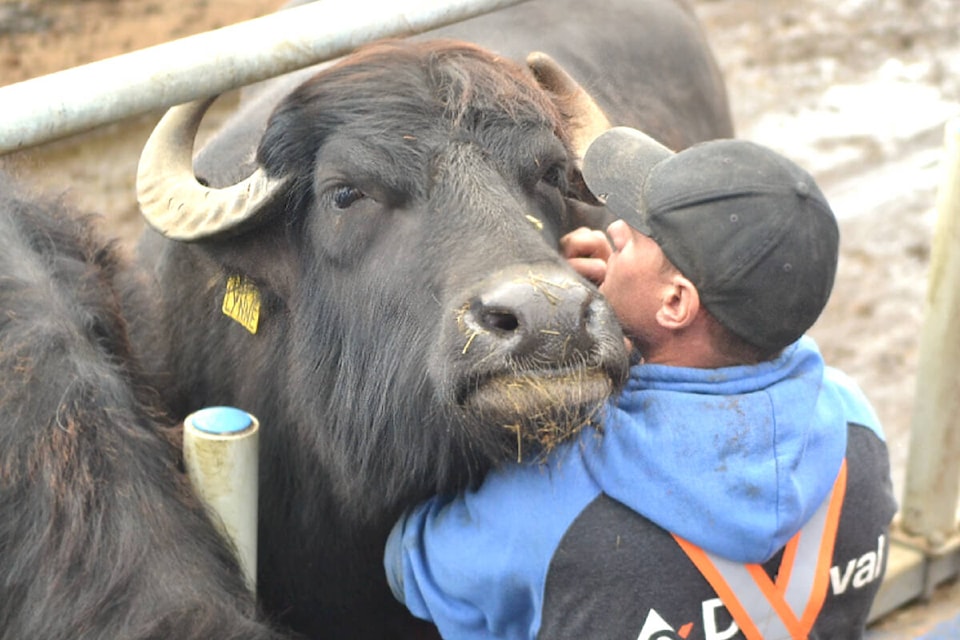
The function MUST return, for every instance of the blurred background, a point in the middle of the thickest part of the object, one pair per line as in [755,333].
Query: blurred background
[856,91]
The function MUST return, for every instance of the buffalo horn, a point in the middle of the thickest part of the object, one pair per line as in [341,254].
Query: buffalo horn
[587,118]
[172,200]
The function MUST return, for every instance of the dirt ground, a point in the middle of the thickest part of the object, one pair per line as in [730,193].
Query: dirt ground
[857,91]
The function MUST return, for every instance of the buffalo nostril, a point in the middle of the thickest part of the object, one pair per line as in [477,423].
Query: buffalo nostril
[499,320]
[545,315]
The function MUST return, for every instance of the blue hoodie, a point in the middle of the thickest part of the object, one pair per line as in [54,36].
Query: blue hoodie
[734,460]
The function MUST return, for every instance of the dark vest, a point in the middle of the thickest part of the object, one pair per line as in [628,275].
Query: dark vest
[618,575]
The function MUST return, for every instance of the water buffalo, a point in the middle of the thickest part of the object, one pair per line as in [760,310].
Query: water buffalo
[416,323]
[382,234]
[100,535]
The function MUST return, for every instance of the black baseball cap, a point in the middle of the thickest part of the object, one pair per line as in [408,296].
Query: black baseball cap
[747,226]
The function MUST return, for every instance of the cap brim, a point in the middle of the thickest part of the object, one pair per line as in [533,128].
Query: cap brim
[615,168]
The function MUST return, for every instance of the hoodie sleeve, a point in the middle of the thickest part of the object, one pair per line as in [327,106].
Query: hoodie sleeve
[435,568]
[475,565]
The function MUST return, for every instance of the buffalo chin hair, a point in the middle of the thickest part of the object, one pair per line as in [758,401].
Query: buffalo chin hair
[538,412]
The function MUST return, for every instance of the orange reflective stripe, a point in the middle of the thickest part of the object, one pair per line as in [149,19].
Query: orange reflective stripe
[788,608]
[806,591]
[700,558]
[791,624]
[786,563]
[822,580]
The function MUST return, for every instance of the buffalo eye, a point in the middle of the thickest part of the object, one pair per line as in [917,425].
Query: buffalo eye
[346,195]
[555,176]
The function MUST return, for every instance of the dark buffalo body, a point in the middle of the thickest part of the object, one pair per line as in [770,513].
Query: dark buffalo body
[416,325]
[100,535]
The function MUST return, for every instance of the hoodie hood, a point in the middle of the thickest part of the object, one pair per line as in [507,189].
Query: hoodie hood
[735,460]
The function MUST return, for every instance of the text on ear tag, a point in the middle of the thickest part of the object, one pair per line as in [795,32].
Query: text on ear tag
[241,302]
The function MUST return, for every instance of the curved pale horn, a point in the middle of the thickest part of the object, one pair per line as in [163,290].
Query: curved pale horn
[172,200]
[587,118]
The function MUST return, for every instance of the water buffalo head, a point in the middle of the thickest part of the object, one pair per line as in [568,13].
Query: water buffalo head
[403,221]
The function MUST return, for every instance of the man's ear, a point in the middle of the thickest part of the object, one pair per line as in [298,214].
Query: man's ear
[680,304]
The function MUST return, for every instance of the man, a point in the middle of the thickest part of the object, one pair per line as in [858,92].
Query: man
[739,488]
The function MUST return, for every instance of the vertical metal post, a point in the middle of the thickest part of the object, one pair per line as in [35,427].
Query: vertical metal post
[933,467]
[221,453]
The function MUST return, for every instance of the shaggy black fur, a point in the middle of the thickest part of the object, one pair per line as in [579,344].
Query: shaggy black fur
[381,372]
[418,168]
[100,536]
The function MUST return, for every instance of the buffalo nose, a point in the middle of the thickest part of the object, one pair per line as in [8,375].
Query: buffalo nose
[546,313]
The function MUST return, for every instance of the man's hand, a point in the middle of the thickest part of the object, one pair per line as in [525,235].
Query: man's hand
[587,251]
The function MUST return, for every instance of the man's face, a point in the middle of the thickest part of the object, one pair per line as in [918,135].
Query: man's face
[636,282]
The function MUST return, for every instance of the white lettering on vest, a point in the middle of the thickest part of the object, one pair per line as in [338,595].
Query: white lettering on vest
[858,573]
[839,583]
[863,570]
[710,631]
[655,627]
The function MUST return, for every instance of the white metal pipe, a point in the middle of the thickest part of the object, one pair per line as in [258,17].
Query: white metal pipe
[221,453]
[78,99]
[933,467]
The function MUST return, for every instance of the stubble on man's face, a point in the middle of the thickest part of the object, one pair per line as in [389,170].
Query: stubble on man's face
[634,282]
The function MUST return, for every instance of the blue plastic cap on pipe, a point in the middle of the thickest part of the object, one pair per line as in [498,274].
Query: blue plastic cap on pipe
[221,420]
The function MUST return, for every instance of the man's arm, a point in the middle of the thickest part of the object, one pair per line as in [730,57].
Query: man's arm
[473,564]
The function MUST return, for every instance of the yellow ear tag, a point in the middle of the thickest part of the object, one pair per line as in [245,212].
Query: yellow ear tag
[241,303]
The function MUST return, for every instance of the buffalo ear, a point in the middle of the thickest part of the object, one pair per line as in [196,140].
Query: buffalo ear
[587,119]
[583,208]
[265,255]
[586,214]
